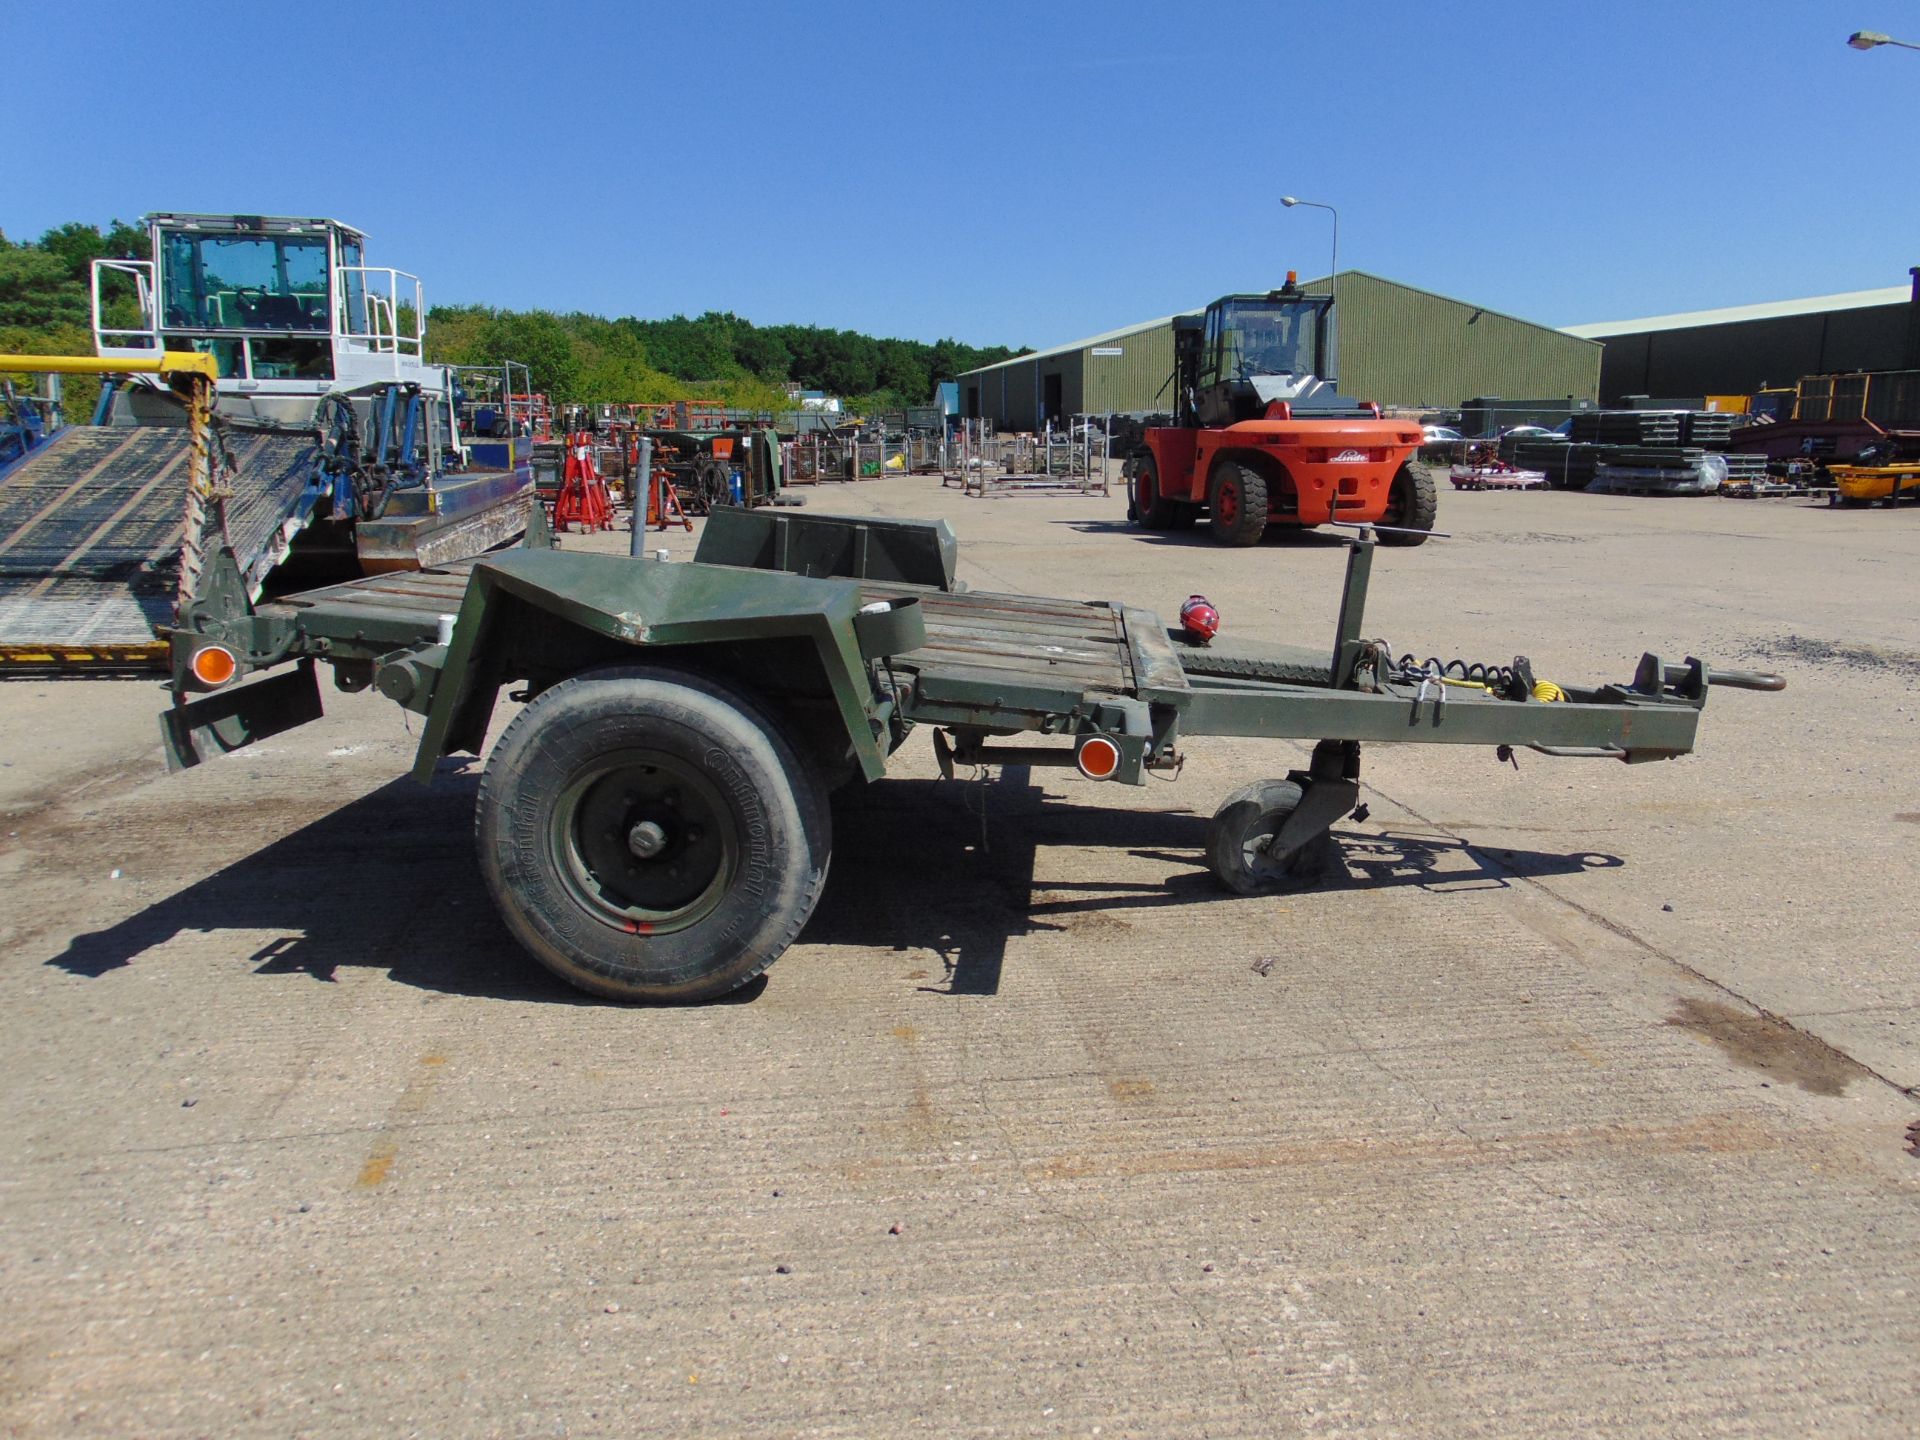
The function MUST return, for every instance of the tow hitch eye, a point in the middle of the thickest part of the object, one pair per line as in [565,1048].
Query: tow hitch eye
[1098,757]
[213,666]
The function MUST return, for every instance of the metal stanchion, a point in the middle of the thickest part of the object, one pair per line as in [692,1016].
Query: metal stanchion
[643,498]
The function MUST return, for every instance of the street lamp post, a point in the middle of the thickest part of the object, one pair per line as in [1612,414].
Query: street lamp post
[1333,278]
[1873,39]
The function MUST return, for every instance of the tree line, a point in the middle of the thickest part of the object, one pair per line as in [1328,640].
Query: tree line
[593,359]
[45,308]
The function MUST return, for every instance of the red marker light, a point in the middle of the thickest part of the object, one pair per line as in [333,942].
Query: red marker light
[1097,757]
[213,666]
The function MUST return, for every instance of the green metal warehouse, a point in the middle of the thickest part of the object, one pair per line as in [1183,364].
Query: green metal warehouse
[1396,344]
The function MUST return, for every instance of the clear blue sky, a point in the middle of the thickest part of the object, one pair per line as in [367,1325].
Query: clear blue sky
[1020,173]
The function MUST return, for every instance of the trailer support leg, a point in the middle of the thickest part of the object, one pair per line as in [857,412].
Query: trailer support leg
[1329,789]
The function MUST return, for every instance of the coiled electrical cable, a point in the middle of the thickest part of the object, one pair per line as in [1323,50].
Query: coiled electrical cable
[1494,677]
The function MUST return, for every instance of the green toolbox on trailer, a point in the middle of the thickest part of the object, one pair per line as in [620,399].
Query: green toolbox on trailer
[654,825]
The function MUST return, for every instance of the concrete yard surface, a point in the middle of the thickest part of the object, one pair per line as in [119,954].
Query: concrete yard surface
[1575,1101]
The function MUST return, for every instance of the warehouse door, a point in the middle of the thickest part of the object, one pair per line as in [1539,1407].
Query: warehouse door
[1050,407]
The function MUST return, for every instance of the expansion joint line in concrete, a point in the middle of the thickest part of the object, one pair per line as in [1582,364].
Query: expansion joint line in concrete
[1634,938]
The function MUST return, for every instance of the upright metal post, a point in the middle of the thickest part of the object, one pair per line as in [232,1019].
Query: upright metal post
[1353,608]
[643,498]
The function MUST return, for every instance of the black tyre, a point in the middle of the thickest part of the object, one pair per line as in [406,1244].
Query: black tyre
[648,835]
[1236,503]
[1151,509]
[1412,504]
[1240,841]
[712,485]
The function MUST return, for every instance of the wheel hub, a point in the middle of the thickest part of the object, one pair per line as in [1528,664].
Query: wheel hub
[643,839]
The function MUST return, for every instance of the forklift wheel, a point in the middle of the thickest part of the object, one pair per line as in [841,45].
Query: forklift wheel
[1240,838]
[1151,510]
[1412,503]
[648,835]
[1236,503]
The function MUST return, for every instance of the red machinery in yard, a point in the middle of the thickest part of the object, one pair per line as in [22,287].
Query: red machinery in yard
[583,500]
[1260,439]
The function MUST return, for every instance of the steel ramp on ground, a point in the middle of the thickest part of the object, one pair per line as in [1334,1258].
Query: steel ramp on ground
[90,534]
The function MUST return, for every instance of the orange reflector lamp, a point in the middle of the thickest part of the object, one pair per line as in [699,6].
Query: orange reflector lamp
[1097,757]
[213,666]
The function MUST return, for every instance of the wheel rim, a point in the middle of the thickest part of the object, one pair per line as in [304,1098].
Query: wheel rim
[1256,851]
[1145,492]
[644,842]
[1228,505]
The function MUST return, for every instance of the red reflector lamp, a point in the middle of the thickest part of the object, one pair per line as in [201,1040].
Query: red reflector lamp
[1199,619]
[1098,757]
[213,666]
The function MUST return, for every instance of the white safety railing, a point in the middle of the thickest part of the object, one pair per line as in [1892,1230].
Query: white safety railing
[114,340]
[379,311]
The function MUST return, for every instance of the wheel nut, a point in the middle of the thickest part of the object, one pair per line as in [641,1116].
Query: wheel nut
[646,839]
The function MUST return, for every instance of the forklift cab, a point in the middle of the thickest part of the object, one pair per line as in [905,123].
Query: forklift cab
[1251,350]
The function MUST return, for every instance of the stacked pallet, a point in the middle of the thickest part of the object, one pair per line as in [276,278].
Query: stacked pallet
[1709,429]
[1626,427]
[1659,470]
[1567,466]
[1747,476]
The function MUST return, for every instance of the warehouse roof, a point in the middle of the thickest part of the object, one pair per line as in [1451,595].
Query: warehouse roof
[1073,345]
[1126,330]
[1773,310]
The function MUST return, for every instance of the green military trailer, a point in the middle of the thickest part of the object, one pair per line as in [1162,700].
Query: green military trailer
[654,823]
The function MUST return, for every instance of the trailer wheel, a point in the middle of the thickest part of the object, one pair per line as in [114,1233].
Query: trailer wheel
[1151,509]
[1240,841]
[1412,503]
[1236,503]
[648,835]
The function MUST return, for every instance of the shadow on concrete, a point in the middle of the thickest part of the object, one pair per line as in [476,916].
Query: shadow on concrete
[1278,536]
[390,881]
[949,867]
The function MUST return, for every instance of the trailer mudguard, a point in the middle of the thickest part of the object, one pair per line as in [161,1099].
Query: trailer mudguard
[645,604]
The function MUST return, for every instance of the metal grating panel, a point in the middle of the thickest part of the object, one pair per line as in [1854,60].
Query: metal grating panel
[90,528]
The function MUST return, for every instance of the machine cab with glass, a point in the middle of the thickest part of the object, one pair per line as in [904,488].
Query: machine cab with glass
[1255,349]
[288,307]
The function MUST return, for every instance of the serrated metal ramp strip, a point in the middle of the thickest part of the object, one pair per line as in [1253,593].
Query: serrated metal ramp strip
[90,529]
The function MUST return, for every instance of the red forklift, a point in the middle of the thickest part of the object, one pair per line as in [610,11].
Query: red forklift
[1259,438]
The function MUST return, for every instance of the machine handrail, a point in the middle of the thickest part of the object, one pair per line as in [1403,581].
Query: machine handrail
[376,307]
[143,279]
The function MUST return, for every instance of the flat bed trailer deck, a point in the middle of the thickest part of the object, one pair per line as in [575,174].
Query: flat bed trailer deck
[654,823]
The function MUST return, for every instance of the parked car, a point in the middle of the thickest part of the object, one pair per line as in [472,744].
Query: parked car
[1440,443]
